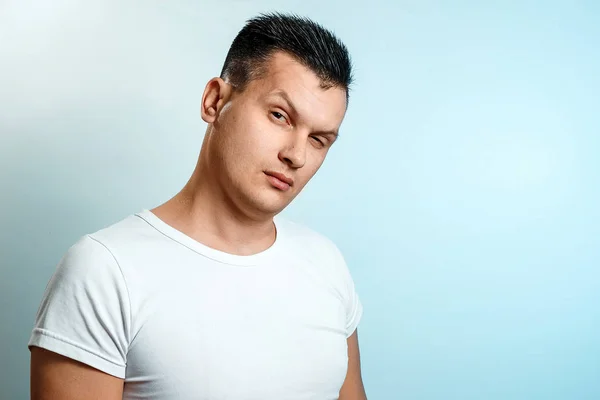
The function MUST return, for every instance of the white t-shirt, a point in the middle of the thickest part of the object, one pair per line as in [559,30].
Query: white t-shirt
[176,319]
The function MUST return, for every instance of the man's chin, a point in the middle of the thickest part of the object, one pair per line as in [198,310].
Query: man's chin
[272,205]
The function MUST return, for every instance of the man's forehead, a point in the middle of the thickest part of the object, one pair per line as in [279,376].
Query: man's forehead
[284,76]
[283,69]
[282,60]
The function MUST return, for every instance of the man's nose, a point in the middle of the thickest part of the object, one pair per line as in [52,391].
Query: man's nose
[294,153]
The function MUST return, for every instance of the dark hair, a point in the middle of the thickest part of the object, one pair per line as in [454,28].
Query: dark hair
[311,44]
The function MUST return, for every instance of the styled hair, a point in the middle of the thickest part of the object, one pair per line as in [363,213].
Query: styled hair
[309,43]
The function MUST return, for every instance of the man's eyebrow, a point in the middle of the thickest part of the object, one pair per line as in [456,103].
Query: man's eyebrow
[325,133]
[284,96]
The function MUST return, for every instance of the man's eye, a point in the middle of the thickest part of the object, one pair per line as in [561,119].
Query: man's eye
[318,141]
[277,115]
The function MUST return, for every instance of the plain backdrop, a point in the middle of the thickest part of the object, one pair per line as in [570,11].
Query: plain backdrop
[464,191]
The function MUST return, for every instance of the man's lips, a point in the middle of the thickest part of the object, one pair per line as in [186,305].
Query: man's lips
[279,180]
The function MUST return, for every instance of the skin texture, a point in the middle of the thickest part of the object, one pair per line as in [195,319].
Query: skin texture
[284,122]
[353,388]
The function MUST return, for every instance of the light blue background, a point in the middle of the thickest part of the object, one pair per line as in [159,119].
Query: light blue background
[464,191]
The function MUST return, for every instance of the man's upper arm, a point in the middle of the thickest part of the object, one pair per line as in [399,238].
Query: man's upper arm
[57,377]
[353,388]
[82,328]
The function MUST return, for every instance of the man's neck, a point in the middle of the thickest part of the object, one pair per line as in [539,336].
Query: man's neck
[207,216]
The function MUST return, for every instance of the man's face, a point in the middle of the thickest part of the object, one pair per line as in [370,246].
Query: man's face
[272,137]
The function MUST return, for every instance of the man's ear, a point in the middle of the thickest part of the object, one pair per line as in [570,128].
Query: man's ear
[216,94]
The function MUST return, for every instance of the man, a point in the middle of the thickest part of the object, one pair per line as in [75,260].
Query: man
[212,295]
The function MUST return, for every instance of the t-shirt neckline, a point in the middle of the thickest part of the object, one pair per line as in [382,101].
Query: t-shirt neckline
[209,252]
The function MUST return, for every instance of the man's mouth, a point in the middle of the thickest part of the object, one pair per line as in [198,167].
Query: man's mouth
[279,181]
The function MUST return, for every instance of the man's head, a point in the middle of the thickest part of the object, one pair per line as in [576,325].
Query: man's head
[275,110]
[308,42]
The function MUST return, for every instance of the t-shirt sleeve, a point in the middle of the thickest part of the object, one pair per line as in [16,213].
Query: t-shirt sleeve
[354,310]
[352,302]
[85,311]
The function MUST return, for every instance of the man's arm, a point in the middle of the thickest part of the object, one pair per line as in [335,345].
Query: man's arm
[86,302]
[57,377]
[353,388]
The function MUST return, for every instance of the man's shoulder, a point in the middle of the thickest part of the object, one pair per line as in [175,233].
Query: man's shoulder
[128,235]
[318,253]
[307,239]
[93,257]
[128,229]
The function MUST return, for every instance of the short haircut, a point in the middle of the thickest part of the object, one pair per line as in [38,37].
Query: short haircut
[309,43]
